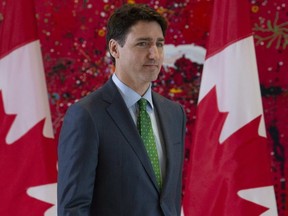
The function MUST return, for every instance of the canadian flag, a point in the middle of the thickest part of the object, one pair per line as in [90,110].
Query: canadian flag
[28,156]
[229,173]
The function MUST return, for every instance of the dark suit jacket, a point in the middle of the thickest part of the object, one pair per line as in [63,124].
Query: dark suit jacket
[104,169]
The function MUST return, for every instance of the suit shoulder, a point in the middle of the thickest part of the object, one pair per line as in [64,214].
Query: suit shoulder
[100,96]
[164,100]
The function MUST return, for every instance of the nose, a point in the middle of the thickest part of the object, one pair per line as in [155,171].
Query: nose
[154,52]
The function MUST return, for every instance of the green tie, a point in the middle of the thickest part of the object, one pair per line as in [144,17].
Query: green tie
[146,132]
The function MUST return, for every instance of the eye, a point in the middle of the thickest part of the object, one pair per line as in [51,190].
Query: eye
[142,44]
[160,44]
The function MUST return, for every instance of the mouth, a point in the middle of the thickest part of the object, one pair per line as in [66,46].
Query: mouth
[151,65]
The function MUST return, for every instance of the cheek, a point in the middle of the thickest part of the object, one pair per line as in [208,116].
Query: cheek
[161,58]
[127,58]
[161,53]
[132,55]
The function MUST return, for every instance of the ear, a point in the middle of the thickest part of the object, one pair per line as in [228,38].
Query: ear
[113,48]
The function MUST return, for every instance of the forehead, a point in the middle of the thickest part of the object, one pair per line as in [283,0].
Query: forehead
[145,29]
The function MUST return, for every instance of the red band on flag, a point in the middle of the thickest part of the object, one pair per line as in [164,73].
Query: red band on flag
[18,26]
[228,15]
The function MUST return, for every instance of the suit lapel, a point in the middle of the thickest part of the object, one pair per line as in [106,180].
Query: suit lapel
[167,134]
[122,118]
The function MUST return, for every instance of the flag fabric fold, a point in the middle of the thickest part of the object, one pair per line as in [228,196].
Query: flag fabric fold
[27,146]
[229,172]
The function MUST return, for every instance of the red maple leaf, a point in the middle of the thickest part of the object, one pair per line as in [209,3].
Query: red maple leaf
[29,161]
[219,171]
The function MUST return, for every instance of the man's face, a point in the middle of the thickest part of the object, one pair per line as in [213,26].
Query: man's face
[140,59]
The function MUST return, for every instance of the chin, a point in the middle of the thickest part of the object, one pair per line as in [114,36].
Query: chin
[155,77]
[150,75]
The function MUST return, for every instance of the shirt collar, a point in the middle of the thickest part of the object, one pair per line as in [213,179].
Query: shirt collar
[129,95]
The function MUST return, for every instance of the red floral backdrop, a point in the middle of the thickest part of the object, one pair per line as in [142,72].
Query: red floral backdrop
[72,35]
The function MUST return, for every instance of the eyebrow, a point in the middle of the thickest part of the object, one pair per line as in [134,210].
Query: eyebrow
[150,39]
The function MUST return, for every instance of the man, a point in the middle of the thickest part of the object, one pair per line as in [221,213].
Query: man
[106,165]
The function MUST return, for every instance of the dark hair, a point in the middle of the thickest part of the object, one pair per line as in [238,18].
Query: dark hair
[128,15]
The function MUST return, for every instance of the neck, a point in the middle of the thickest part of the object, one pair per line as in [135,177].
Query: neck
[139,87]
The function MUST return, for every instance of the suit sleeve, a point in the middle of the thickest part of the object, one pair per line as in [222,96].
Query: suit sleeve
[77,162]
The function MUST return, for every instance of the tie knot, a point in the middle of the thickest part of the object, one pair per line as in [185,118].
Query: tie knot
[142,104]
